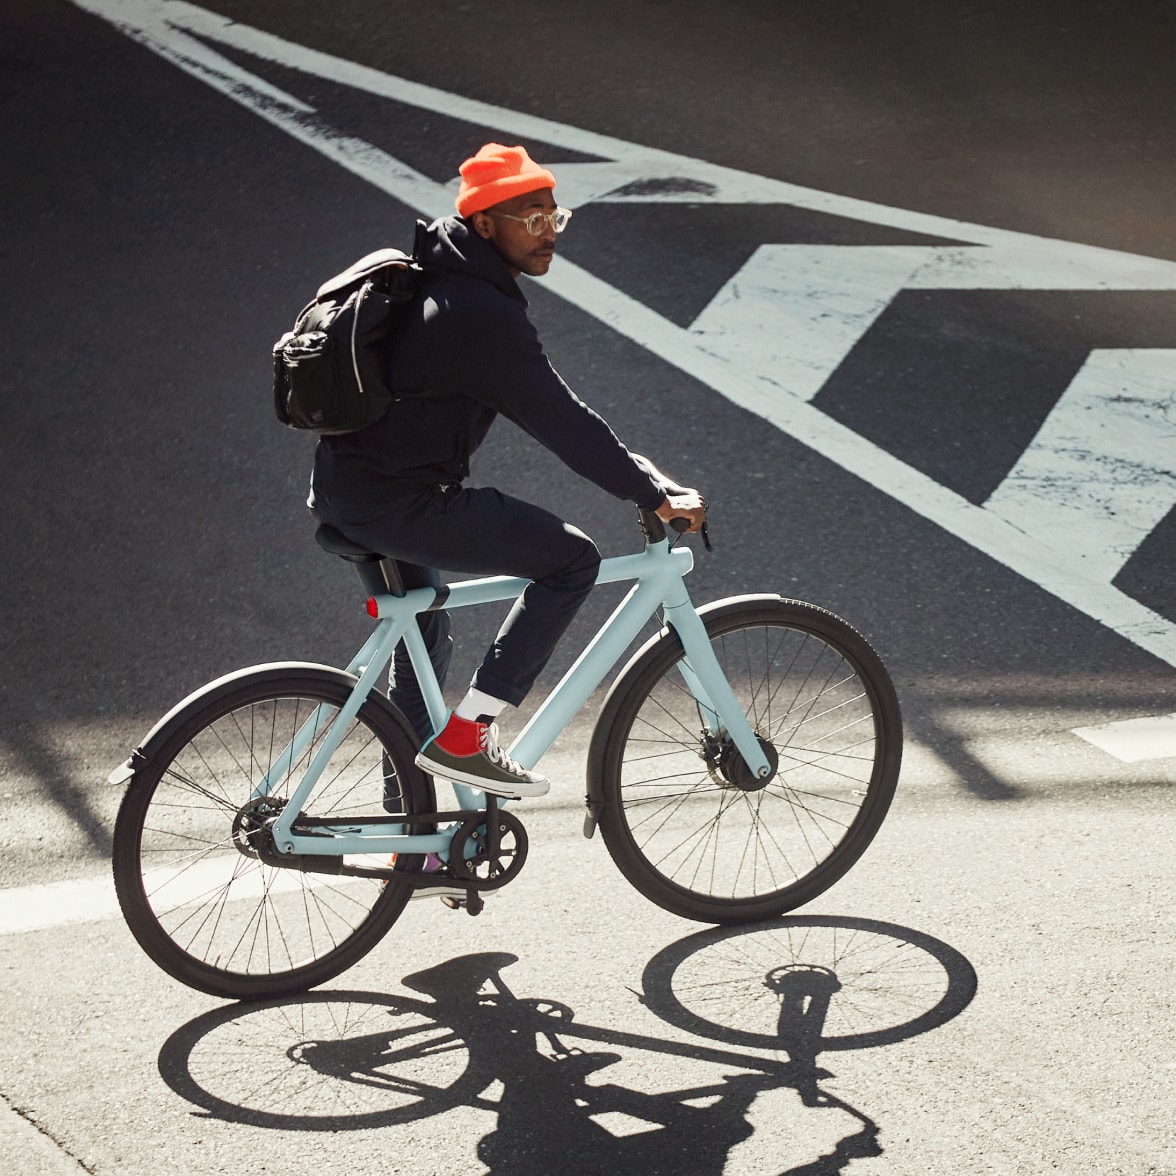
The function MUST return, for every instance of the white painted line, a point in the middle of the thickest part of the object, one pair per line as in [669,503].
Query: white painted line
[56,904]
[1099,474]
[793,313]
[1134,740]
[43,906]
[1037,263]
[1045,564]
[165,26]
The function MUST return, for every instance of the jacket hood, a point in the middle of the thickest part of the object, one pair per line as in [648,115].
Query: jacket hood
[449,244]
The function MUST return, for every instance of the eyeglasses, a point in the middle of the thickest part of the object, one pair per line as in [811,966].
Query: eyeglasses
[557,220]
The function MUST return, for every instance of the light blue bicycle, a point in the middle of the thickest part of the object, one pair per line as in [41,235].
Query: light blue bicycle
[275,824]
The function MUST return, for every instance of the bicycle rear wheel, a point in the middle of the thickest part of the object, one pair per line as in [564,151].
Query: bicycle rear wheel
[195,894]
[681,815]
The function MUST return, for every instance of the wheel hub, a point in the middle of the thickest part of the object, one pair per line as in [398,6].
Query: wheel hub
[729,769]
[251,826]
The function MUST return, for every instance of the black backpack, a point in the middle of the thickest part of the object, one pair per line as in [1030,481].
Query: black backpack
[329,371]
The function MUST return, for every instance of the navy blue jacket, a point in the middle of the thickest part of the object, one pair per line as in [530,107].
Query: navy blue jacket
[464,352]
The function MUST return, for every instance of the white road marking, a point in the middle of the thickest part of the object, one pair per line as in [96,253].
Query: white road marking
[1100,470]
[1047,563]
[1024,761]
[794,312]
[56,904]
[727,350]
[1134,740]
[88,900]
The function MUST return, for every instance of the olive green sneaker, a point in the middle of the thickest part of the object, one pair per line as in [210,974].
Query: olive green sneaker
[467,751]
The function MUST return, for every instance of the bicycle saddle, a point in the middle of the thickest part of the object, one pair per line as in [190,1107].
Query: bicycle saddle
[383,577]
[336,543]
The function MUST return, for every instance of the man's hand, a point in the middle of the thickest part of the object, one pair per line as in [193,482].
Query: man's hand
[689,505]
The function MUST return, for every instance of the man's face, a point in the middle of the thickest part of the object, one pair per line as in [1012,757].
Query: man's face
[524,253]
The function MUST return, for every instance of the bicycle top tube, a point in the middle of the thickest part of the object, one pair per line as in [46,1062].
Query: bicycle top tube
[657,561]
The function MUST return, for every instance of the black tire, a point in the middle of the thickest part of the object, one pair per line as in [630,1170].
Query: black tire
[205,909]
[700,838]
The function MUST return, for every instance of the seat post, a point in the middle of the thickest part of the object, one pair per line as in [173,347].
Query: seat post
[390,574]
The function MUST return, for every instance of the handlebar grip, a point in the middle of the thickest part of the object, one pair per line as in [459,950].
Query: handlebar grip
[655,530]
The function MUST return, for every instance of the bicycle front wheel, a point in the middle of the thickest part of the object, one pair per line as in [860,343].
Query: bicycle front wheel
[684,819]
[194,892]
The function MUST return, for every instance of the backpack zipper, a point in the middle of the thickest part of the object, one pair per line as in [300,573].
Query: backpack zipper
[354,327]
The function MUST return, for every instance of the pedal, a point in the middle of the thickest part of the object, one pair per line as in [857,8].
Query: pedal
[460,900]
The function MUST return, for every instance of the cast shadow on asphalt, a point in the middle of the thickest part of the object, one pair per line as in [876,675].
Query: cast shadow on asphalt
[773,996]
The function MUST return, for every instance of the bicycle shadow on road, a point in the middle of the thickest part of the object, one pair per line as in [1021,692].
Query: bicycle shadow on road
[780,993]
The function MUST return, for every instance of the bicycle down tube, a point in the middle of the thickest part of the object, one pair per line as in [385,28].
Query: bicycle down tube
[658,572]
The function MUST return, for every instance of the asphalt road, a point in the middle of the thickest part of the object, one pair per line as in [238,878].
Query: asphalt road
[157,234]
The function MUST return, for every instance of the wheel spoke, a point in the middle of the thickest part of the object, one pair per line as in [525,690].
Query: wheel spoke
[690,825]
[187,871]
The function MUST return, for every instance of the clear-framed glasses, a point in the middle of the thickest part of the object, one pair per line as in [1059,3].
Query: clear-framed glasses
[557,219]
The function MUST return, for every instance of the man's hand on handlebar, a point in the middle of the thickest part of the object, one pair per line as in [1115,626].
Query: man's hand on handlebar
[688,505]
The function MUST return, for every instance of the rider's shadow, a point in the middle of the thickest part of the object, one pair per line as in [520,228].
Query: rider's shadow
[554,1111]
[781,994]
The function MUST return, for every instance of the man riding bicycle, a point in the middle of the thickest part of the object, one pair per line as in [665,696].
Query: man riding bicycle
[464,353]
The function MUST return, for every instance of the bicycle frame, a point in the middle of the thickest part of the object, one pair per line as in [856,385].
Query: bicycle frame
[658,574]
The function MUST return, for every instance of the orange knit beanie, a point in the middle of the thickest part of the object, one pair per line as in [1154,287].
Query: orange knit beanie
[497,173]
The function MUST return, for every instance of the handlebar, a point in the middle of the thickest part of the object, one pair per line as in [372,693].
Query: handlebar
[655,530]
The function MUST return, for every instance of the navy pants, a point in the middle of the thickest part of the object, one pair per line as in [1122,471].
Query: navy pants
[479,532]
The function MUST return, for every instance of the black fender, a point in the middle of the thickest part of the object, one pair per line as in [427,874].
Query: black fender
[222,687]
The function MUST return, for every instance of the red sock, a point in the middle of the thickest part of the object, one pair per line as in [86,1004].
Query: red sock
[461,736]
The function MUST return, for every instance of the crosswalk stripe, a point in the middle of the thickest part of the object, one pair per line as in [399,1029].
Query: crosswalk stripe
[794,312]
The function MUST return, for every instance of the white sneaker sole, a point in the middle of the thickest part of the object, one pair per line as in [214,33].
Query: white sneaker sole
[438,892]
[522,791]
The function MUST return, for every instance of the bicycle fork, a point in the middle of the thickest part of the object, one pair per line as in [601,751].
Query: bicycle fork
[716,700]
[722,715]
